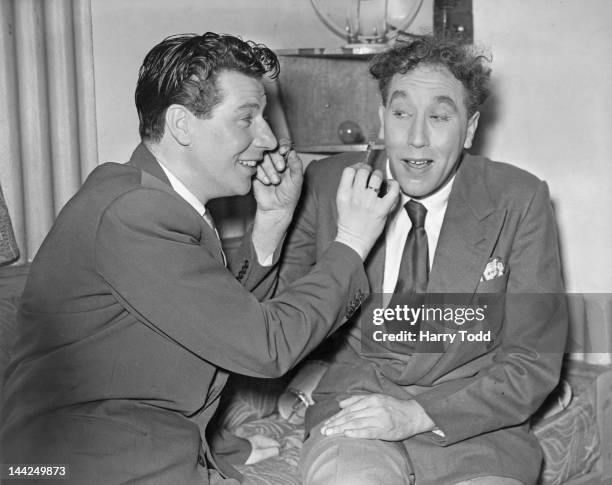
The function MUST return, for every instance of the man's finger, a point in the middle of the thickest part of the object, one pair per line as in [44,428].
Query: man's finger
[284,146]
[392,195]
[368,433]
[375,181]
[294,163]
[362,176]
[351,400]
[356,423]
[261,176]
[345,416]
[269,168]
[346,180]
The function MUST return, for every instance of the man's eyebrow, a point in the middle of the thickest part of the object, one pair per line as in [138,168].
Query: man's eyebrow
[397,94]
[446,100]
[248,106]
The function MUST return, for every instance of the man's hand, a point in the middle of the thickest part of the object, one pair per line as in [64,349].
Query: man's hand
[378,416]
[361,212]
[278,182]
[276,188]
[262,448]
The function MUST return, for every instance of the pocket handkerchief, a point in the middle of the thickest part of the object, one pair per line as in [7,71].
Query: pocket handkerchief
[494,269]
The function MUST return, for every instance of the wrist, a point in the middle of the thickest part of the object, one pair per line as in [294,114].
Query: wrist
[356,245]
[269,229]
[271,217]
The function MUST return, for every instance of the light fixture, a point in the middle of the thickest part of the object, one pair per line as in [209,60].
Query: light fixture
[367,25]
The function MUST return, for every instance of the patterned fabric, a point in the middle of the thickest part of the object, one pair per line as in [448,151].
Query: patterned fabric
[569,438]
[8,246]
[281,469]
[247,399]
[8,325]
[570,441]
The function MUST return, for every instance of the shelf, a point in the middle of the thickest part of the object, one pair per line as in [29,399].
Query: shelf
[326,52]
[362,147]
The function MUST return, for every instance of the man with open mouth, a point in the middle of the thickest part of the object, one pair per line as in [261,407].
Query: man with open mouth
[443,411]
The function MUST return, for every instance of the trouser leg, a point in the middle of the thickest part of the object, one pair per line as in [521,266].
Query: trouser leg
[353,461]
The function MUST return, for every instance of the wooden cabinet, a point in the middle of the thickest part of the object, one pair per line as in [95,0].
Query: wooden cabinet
[324,91]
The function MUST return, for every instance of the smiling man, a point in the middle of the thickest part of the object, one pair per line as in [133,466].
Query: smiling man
[443,412]
[131,318]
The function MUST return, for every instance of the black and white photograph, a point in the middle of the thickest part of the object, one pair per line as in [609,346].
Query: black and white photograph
[306,242]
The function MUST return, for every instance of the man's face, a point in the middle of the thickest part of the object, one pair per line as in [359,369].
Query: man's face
[226,148]
[426,127]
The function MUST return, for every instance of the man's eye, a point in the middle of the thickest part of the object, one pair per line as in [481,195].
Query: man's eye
[440,117]
[247,119]
[399,113]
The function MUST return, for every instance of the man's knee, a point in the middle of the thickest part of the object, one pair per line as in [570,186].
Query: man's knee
[350,461]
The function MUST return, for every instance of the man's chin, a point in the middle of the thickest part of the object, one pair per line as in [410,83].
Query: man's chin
[246,189]
[417,191]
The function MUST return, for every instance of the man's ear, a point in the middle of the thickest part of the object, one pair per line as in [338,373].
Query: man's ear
[179,123]
[471,129]
[381,117]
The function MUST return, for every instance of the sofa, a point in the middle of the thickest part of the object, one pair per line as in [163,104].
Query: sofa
[574,426]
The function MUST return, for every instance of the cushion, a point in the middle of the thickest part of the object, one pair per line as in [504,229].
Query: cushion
[566,431]
[569,439]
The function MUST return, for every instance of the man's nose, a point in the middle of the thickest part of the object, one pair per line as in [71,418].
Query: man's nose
[418,136]
[264,138]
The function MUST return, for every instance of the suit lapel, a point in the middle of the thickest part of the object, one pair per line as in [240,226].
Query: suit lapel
[469,232]
[154,176]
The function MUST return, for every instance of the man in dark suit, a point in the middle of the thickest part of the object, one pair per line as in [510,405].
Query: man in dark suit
[130,319]
[454,410]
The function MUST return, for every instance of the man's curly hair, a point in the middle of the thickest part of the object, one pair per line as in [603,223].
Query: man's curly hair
[183,69]
[469,66]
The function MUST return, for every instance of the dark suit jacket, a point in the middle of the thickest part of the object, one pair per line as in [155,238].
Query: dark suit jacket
[484,392]
[130,321]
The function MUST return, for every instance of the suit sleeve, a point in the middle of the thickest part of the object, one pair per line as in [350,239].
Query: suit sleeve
[152,254]
[299,252]
[260,280]
[526,366]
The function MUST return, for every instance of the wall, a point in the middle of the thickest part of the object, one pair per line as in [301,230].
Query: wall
[553,116]
[124,31]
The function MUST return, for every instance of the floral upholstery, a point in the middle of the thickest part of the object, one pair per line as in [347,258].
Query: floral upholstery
[569,438]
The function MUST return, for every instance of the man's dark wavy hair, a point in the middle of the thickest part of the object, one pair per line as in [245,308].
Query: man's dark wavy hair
[183,69]
[468,65]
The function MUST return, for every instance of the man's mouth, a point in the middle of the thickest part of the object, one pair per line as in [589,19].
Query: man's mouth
[248,163]
[417,162]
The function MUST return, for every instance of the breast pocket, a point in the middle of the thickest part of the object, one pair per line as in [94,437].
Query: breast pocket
[496,285]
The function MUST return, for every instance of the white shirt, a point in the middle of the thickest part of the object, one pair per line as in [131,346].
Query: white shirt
[194,202]
[399,225]
[183,191]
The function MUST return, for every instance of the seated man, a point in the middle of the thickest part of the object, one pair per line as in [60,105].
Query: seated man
[389,412]
[130,319]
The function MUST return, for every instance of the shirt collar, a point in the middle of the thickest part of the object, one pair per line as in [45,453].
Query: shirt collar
[436,201]
[183,191]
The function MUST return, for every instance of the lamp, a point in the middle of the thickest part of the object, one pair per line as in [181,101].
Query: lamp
[367,25]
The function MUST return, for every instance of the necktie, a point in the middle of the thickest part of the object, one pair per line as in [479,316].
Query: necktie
[414,268]
[412,278]
[209,220]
